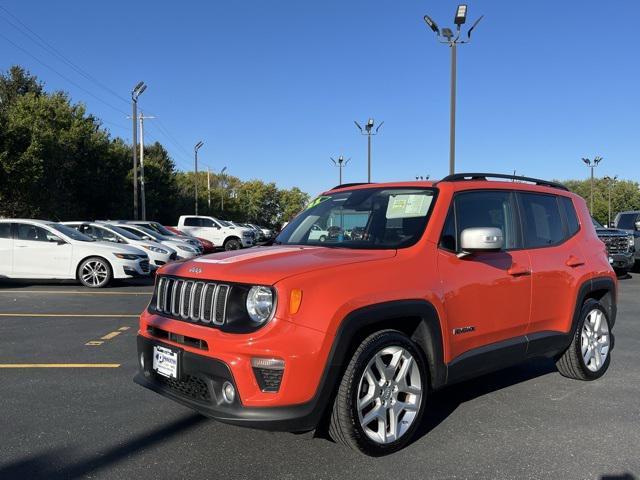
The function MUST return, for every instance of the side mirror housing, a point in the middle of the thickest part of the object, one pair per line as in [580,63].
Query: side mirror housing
[481,239]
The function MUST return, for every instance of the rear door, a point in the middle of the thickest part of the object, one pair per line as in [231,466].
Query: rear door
[557,261]
[487,295]
[6,249]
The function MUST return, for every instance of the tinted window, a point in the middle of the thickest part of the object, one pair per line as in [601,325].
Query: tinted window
[191,222]
[570,214]
[542,222]
[448,240]
[207,222]
[33,233]
[487,209]
[627,221]
[5,230]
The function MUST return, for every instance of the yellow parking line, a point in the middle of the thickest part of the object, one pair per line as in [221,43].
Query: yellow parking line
[123,329]
[75,315]
[59,365]
[109,336]
[74,292]
[94,343]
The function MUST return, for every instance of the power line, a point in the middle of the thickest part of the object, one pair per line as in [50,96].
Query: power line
[60,74]
[34,37]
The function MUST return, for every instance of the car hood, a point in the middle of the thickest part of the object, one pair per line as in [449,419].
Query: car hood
[611,232]
[268,265]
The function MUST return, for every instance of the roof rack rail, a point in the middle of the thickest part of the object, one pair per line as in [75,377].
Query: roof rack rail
[345,185]
[460,177]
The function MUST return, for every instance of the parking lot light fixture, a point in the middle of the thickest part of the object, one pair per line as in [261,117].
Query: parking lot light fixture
[340,163]
[452,40]
[369,132]
[592,164]
[135,93]
[195,151]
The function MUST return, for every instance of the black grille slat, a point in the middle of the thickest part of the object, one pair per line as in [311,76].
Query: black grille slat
[188,386]
[616,244]
[191,300]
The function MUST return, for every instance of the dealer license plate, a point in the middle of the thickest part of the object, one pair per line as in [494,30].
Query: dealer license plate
[165,361]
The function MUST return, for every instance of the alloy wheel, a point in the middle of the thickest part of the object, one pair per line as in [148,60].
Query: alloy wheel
[595,340]
[94,273]
[389,395]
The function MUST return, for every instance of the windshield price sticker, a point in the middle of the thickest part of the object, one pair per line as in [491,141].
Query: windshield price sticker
[408,206]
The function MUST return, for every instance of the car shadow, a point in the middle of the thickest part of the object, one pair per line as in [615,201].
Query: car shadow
[15,284]
[57,463]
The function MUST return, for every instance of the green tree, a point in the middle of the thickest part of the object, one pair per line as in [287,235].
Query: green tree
[625,195]
[292,202]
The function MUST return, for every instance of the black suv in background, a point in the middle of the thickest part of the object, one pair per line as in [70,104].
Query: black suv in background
[620,247]
[629,221]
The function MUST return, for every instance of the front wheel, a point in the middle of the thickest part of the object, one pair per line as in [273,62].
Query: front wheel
[94,272]
[381,398]
[588,356]
[232,244]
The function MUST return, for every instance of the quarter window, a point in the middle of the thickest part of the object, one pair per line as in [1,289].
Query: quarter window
[542,222]
[191,222]
[570,214]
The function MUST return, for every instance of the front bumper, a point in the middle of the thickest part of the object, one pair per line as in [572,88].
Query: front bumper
[199,387]
[132,268]
[622,261]
[247,241]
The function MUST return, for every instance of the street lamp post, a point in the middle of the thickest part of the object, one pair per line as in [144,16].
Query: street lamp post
[222,181]
[195,151]
[340,163]
[135,93]
[369,132]
[611,181]
[453,40]
[592,164]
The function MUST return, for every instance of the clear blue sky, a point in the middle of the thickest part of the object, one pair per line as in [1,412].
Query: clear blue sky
[273,87]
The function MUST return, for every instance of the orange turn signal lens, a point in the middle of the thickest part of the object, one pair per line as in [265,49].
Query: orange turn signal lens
[295,300]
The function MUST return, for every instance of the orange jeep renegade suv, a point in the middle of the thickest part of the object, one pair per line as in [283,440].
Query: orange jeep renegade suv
[419,285]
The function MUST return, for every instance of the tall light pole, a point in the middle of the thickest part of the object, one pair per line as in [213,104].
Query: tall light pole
[340,163]
[222,180]
[195,182]
[143,197]
[135,93]
[592,164]
[453,40]
[368,131]
[610,181]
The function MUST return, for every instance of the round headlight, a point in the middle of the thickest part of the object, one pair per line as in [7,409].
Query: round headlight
[260,304]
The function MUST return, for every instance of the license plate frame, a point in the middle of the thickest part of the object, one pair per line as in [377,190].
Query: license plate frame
[166,361]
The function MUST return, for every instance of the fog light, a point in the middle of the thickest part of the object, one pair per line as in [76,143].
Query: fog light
[228,392]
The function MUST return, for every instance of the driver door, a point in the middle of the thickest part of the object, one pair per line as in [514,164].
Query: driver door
[37,253]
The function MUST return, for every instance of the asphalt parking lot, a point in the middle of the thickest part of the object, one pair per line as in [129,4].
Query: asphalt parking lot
[69,409]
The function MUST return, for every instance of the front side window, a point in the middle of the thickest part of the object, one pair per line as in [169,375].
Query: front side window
[542,223]
[481,209]
[371,218]
[627,221]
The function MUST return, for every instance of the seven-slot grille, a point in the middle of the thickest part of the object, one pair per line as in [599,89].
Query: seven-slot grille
[616,244]
[192,300]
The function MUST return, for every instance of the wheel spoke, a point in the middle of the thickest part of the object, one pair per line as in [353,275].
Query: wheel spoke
[404,369]
[382,368]
[588,356]
[372,415]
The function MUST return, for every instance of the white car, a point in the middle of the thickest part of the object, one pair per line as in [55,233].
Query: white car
[318,233]
[36,249]
[158,254]
[184,249]
[165,232]
[217,231]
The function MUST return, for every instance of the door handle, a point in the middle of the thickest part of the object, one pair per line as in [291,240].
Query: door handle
[518,271]
[574,261]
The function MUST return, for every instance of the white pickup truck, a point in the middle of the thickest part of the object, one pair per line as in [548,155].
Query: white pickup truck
[217,231]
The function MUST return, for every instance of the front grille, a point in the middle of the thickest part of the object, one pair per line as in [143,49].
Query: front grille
[144,265]
[191,300]
[173,256]
[617,244]
[188,386]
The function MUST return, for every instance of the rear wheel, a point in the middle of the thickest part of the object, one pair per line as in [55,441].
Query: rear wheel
[588,356]
[94,272]
[232,244]
[381,398]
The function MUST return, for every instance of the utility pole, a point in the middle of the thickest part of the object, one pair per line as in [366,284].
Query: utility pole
[142,118]
[209,188]
[453,40]
[340,163]
[135,93]
[222,182]
[195,181]
[368,131]
[610,181]
[592,164]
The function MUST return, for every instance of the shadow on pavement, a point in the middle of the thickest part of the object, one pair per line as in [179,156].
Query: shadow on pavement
[129,282]
[54,465]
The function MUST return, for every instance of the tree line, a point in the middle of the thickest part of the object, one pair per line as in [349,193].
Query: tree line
[59,162]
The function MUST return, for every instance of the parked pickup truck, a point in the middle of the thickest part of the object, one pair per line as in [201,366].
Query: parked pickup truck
[620,247]
[217,231]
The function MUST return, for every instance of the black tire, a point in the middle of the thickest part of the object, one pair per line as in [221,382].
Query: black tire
[232,244]
[571,364]
[344,423]
[95,283]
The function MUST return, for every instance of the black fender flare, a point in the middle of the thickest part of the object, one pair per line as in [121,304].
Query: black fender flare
[602,289]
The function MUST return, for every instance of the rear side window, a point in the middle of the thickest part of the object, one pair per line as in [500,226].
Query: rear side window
[191,222]
[33,233]
[5,230]
[486,208]
[542,222]
[573,225]
[627,221]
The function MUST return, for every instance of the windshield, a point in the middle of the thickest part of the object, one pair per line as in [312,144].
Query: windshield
[161,229]
[224,224]
[124,233]
[373,218]
[70,232]
[140,231]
